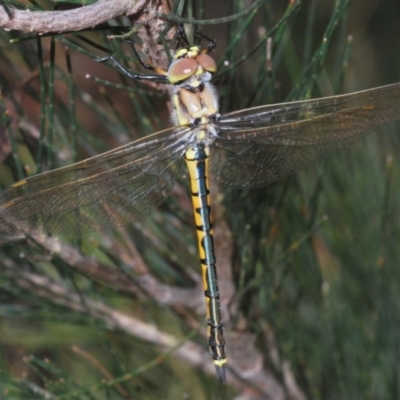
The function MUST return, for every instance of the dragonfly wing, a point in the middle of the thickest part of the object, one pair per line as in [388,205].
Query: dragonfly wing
[258,146]
[112,188]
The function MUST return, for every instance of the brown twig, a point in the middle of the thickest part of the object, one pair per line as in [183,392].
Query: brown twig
[120,281]
[265,384]
[87,17]
[70,20]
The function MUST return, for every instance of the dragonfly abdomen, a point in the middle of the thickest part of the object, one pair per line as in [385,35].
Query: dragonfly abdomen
[197,160]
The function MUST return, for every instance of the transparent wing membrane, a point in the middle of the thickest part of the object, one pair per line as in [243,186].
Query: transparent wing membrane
[116,186]
[258,146]
[253,147]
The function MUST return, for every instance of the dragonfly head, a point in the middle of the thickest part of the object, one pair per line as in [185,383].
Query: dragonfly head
[188,62]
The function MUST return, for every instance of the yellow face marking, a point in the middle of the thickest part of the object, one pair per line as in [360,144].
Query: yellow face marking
[195,83]
[180,53]
[191,52]
[199,71]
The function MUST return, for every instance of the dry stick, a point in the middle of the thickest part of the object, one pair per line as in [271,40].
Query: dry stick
[87,17]
[55,292]
[70,20]
[144,283]
[265,383]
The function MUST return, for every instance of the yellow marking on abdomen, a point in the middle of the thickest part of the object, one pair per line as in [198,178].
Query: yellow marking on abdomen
[221,362]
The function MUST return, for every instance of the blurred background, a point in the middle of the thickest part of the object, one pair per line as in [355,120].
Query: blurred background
[308,267]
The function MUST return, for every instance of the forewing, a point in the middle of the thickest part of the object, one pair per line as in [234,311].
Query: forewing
[258,146]
[110,189]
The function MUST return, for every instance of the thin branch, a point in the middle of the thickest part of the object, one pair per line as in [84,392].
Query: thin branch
[143,283]
[87,17]
[265,384]
[70,20]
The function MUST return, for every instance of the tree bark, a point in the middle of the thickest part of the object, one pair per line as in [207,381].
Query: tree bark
[85,17]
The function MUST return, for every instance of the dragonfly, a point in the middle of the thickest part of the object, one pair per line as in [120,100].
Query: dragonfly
[248,149]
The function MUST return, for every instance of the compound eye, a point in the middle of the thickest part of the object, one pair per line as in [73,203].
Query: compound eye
[207,62]
[182,69]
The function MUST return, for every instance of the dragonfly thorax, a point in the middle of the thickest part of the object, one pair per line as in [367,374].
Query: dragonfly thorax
[194,98]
